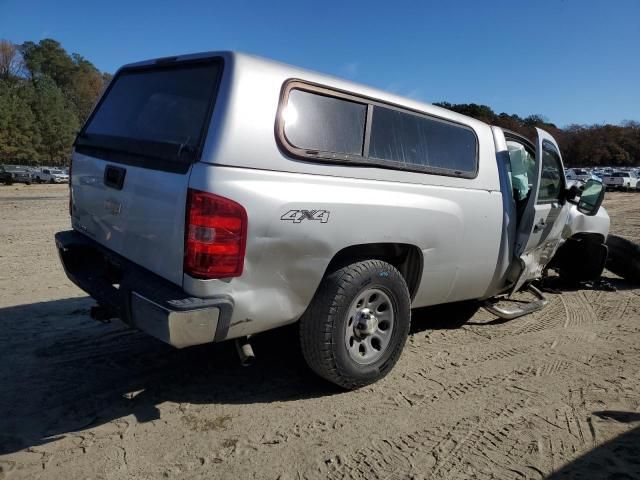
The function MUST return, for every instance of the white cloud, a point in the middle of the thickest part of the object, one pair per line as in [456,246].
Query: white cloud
[351,69]
[415,94]
[401,89]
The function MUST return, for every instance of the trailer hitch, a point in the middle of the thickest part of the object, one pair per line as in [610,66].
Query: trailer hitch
[102,314]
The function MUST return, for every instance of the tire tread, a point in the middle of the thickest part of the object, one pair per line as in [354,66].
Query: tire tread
[316,325]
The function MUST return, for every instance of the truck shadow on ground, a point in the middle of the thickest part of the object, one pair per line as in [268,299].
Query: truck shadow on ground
[443,317]
[62,372]
[617,459]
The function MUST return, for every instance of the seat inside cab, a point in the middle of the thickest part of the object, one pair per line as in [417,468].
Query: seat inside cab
[521,172]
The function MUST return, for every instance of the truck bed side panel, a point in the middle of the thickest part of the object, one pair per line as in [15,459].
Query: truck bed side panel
[457,230]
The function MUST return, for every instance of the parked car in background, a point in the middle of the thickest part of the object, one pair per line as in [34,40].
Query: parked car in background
[635,173]
[51,175]
[5,177]
[578,174]
[620,181]
[11,174]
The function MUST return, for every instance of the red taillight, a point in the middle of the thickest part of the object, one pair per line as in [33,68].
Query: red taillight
[215,236]
[70,199]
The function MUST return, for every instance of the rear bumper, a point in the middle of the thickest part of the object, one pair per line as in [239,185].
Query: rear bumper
[141,298]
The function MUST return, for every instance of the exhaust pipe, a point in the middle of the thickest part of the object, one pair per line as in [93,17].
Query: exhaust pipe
[101,314]
[245,352]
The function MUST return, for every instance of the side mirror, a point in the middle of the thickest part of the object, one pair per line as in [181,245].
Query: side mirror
[591,198]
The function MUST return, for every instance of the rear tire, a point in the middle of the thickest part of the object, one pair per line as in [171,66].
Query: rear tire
[355,328]
[624,258]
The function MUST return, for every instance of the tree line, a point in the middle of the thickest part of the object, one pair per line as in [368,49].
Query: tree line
[581,145]
[46,94]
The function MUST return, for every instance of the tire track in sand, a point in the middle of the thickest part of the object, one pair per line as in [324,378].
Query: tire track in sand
[473,446]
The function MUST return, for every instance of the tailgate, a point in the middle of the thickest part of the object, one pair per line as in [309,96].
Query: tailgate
[132,160]
[143,221]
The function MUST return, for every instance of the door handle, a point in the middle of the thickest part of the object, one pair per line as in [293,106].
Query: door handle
[540,225]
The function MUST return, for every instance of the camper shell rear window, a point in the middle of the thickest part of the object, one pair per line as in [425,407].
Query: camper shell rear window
[154,116]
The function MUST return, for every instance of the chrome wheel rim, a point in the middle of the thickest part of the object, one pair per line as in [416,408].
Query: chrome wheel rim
[369,326]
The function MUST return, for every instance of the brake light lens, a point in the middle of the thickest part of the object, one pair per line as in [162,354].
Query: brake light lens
[70,199]
[215,236]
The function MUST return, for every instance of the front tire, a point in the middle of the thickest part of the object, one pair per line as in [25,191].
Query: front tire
[624,258]
[355,328]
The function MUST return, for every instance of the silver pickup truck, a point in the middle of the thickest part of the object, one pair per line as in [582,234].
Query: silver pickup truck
[218,195]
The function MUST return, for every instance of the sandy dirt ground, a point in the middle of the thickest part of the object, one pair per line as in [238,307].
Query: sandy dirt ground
[554,394]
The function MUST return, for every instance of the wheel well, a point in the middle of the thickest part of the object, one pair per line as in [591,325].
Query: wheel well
[406,258]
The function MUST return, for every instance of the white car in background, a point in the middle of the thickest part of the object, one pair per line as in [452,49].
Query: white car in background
[620,181]
[50,175]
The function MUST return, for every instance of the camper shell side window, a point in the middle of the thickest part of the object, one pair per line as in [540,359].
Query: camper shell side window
[326,125]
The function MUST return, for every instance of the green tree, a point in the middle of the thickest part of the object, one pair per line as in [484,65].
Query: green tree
[80,81]
[47,57]
[85,87]
[57,121]
[481,112]
[19,135]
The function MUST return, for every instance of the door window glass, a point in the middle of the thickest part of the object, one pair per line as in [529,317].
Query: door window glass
[551,178]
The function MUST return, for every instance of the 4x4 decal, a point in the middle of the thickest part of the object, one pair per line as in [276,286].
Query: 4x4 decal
[297,216]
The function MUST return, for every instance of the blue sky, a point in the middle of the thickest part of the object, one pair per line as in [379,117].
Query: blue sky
[572,61]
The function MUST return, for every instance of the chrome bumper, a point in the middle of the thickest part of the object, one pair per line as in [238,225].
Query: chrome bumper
[140,298]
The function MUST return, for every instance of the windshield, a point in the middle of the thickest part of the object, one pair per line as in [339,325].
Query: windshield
[158,112]
[57,172]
